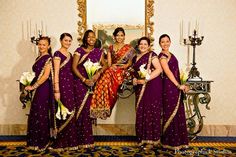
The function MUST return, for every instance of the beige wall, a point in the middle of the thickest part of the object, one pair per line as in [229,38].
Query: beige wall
[215,58]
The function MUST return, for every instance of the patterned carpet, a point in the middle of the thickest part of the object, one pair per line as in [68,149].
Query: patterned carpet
[122,148]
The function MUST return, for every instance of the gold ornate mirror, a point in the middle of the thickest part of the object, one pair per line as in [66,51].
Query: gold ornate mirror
[109,12]
[135,16]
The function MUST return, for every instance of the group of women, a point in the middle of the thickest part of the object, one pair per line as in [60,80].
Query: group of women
[62,79]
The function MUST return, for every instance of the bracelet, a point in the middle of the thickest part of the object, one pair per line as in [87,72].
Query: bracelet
[56,91]
[178,86]
[84,79]
[35,85]
[56,82]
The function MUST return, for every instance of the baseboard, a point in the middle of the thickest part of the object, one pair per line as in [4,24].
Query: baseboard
[125,130]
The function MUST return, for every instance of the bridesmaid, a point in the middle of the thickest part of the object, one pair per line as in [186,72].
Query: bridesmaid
[63,91]
[82,96]
[148,92]
[174,123]
[38,132]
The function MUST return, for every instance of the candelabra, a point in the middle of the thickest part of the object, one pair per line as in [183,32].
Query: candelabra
[199,89]
[194,41]
[35,39]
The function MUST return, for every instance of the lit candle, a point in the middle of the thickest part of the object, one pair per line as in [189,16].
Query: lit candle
[189,28]
[42,27]
[30,28]
[27,29]
[23,33]
[36,30]
[46,30]
[180,31]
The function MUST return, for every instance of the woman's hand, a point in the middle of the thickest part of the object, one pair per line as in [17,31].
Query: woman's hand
[89,82]
[95,77]
[57,96]
[29,88]
[135,81]
[184,88]
[114,66]
[141,81]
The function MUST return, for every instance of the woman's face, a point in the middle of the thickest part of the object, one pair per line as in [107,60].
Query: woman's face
[91,39]
[143,46]
[120,37]
[66,42]
[43,46]
[165,43]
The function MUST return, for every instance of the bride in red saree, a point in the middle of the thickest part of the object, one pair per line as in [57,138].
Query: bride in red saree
[119,59]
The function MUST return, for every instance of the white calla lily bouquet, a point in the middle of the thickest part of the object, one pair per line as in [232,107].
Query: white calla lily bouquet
[144,73]
[62,111]
[91,67]
[25,80]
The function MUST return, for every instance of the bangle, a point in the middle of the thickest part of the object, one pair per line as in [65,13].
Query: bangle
[56,82]
[56,91]
[35,85]
[84,79]
[178,86]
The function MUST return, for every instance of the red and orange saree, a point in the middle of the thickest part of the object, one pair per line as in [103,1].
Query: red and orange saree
[105,92]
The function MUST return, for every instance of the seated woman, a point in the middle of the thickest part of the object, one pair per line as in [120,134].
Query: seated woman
[148,92]
[119,58]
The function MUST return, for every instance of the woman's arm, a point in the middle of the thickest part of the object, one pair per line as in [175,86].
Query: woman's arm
[76,59]
[56,61]
[156,72]
[44,77]
[169,73]
[109,61]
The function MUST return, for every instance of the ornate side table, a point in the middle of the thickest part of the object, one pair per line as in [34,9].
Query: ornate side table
[197,95]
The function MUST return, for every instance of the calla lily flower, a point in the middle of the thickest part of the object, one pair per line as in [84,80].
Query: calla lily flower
[62,111]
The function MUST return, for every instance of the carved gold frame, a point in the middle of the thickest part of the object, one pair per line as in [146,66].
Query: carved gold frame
[82,23]
[113,26]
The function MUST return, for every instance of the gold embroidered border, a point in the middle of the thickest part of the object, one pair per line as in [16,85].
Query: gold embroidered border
[41,74]
[37,148]
[144,86]
[86,146]
[150,142]
[82,104]
[67,121]
[64,149]
[66,60]
[174,147]
[172,115]
[100,113]
[129,51]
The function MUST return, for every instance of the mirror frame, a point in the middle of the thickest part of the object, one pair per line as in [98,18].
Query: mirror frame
[82,23]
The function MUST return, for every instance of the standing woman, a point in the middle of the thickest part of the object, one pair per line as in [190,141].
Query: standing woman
[148,92]
[174,123]
[82,96]
[38,132]
[64,91]
[119,58]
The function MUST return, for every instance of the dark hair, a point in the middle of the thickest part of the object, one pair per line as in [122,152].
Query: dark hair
[98,43]
[144,38]
[163,36]
[63,35]
[117,30]
[85,37]
[49,43]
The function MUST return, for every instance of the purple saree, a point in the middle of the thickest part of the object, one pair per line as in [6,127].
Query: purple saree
[148,110]
[174,122]
[67,136]
[38,132]
[83,98]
